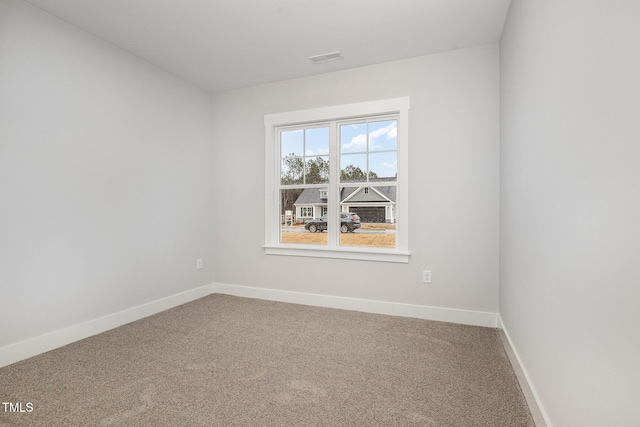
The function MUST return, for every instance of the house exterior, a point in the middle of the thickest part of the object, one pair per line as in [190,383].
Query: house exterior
[373,204]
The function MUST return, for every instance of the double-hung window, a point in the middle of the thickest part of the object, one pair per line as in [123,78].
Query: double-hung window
[342,171]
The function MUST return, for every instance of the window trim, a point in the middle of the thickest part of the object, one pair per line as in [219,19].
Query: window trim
[273,246]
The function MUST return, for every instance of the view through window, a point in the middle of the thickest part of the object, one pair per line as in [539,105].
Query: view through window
[366,187]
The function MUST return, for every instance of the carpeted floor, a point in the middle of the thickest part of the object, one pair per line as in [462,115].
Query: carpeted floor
[225,361]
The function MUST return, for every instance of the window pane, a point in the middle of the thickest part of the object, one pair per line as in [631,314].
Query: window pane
[300,217]
[353,168]
[353,138]
[383,166]
[292,170]
[317,142]
[368,219]
[292,143]
[317,170]
[383,135]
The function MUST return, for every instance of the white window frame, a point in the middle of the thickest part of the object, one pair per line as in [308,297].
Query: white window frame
[308,211]
[273,246]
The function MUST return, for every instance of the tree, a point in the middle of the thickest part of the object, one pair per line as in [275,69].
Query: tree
[353,173]
[317,171]
[296,171]
[292,170]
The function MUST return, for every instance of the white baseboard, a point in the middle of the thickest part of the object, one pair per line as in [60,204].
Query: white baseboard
[466,317]
[24,349]
[538,413]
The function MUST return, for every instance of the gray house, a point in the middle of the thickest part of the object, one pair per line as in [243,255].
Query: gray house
[373,204]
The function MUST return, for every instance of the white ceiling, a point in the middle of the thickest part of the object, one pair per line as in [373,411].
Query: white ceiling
[227,44]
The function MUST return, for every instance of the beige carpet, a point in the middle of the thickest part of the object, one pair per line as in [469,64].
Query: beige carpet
[223,361]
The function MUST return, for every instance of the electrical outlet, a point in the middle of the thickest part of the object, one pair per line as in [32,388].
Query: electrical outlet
[199,264]
[426,276]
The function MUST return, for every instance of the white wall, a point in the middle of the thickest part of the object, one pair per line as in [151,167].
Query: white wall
[105,178]
[570,205]
[454,182]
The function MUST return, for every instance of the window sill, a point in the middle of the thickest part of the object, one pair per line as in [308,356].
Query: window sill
[351,253]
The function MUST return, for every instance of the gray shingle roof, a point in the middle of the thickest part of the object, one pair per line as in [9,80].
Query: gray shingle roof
[312,195]
[309,196]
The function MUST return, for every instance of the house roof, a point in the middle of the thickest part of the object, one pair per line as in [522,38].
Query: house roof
[310,196]
[375,194]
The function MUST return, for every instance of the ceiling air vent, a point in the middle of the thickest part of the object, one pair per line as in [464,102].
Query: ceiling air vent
[326,57]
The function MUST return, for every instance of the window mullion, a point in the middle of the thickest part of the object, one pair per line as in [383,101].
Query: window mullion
[367,150]
[304,158]
[333,199]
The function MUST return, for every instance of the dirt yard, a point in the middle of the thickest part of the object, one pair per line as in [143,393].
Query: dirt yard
[382,240]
